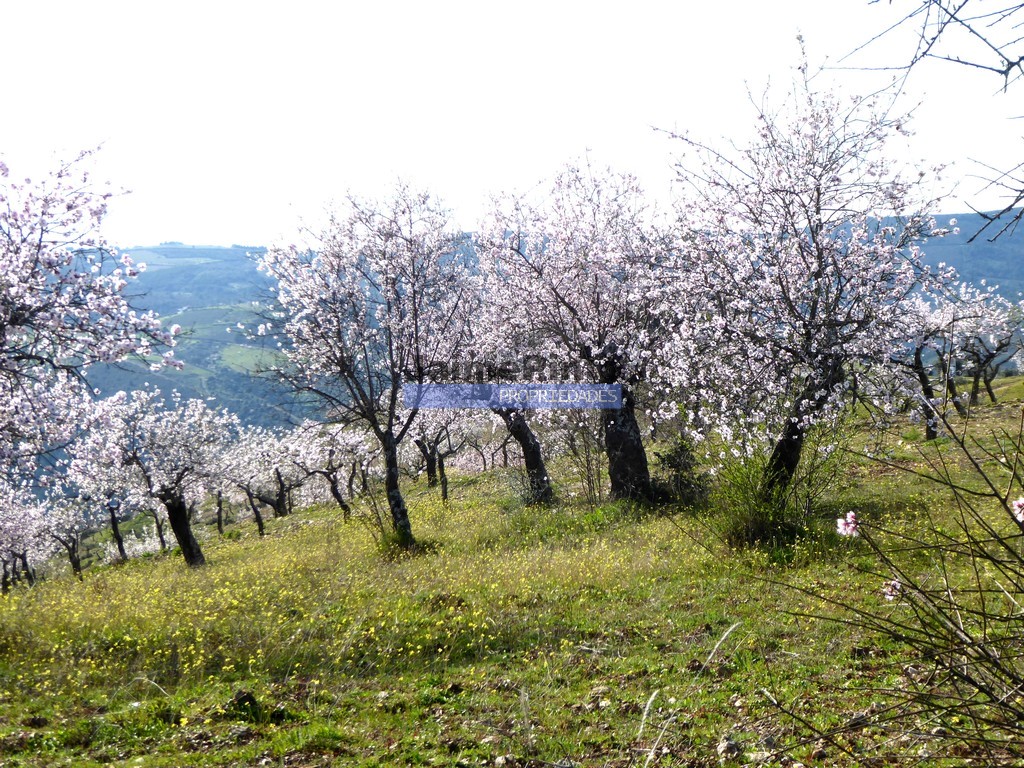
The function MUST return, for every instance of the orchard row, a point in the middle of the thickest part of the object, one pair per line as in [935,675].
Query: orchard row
[786,286]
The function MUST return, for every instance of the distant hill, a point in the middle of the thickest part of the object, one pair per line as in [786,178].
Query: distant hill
[182,277]
[205,290]
[998,262]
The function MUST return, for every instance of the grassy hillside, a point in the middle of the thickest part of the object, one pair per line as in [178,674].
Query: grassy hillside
[520,640]
[179,277]
[575,635]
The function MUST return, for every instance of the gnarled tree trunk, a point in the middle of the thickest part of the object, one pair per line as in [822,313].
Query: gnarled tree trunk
[256,514]
[396,504]
[628,471]
[785,457]
[181,526]
[443,477]
[540,491]
[928,391]
[429,454]
[115,530]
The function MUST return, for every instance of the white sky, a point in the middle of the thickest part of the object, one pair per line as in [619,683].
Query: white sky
[229,122]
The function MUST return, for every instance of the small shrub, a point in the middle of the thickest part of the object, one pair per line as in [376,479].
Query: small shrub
[523,492]
[681,478]
[579,437]
[742,515]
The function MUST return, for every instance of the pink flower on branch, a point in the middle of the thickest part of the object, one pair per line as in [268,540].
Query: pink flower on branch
[1018,509]
[892,589]
[848,526]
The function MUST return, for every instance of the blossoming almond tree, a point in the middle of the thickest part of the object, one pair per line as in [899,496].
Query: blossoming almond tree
[582,276]
[497,343]
[24,539]
[265,466]
[166,450]
[989,338]
[372,306]
[103,489]
[809,243]
[62,304]
[66,521]
[440,435]
[963,330]
[924,347]
[332,455]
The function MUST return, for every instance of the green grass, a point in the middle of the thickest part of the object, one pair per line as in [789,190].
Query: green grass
[242,358]
[606,636]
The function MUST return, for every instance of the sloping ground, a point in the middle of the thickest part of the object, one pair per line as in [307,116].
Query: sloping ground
[520,637]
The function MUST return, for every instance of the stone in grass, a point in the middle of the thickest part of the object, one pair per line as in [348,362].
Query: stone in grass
[727,749]
[240,734]
[863,719]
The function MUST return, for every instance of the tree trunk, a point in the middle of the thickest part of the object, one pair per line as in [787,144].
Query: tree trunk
[443,476]
[352,480]
[782,464]
[975,385]
[115,529]
[429,454]
[76,562]
[220,513]
[280,501]
[785,457]
[952,394]
[70,545]
[540,491]
[30,574]
[988,377]
[177,516]
[160,531]
[399,513]
[256,514]
[628,472]
[928,391]
[339,499]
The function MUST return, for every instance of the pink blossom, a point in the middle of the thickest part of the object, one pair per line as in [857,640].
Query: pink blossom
[62,306]
[1018,509]
[892,589]
[847,526]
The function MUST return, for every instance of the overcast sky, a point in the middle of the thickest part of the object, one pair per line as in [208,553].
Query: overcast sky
[230,122]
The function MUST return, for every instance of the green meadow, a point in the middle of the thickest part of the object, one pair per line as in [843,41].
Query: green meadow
[569,635]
